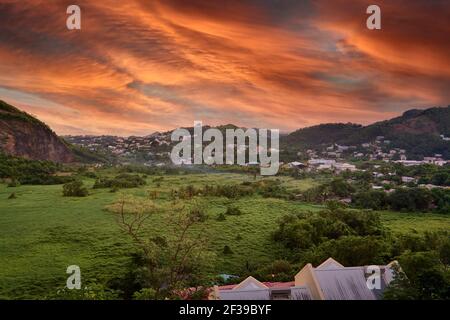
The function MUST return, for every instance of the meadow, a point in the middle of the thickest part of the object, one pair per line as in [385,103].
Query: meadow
[42,232]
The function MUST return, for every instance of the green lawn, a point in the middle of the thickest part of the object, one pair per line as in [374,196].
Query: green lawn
[42,232]
[415,222]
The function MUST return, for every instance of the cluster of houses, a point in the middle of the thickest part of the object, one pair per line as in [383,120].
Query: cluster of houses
[436,160]
[328,281]
[154,146]
[330,164]
[377,150]
[121,146]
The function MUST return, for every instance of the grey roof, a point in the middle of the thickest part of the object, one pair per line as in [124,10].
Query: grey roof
[344,284]
[254,294]
[300,293]
[296,293]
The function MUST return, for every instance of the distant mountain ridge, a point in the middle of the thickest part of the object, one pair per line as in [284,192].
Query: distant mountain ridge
[419,132]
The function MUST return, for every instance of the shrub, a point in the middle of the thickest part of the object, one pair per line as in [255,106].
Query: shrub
[304,230]
[376,200]
[14,183]
[221,217]
[45,179]
[145,294]
[233,211]
[123,180]
[350,251]
[26,171]
[75,189]
[227,250]
[411,199]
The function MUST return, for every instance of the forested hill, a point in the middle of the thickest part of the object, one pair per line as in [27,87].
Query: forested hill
[419,132]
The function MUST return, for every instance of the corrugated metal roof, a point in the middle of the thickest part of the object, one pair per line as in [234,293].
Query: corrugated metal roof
[344,284]
[300,293]
[330,263]
[267,284]
[255,294]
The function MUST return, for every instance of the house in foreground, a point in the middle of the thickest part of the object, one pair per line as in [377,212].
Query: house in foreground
[328,281]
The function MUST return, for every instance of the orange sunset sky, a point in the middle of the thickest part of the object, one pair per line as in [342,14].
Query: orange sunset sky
[139,66]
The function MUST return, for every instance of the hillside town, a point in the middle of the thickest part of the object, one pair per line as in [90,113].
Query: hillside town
[155,149]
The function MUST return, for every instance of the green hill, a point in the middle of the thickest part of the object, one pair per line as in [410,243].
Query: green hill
[417,131]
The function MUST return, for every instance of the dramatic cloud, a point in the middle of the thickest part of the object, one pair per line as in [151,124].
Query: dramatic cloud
[140,66]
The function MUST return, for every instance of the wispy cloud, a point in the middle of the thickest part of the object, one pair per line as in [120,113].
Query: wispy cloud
[140,66]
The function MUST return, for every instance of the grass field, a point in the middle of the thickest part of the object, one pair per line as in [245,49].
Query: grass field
[42,232]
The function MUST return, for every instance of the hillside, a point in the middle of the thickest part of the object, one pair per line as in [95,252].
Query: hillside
[25,136]
[419,132]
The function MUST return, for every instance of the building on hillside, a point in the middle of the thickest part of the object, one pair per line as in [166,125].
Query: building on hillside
[317,162]
[340,167]
[408,179]
[408,163]
[296,165]
[342,148]
[325,167]
[329,281]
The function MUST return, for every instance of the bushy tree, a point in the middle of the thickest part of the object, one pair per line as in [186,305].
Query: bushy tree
[175,260]
[123,180]
[306,229]
[233,211]
[376,200]
[424,278]
[75,189]
[350,251]
[411,199]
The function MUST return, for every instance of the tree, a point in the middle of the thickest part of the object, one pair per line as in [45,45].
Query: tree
[341,188]
[411,199]
[444,253]
[307,229]
[441,179]
[376,200]
[75,189]
[350,251]
[424,278]
[172,261]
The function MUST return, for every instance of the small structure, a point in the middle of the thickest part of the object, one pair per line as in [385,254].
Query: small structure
[408,179]
[296,165]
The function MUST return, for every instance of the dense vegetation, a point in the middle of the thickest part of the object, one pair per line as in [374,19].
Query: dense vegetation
[405,200]
[23,171]
[173,229]
[123,180]
[8,112]
[358,238]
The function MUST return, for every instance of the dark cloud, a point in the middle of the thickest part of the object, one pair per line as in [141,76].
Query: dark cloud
[139,66]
